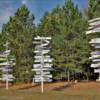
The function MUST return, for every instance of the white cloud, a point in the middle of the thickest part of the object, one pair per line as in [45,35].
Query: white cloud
[24,2]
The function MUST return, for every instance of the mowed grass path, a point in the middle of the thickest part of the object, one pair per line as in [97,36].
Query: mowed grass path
[81,91]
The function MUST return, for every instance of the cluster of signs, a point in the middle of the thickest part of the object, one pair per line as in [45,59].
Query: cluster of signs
[6,64]
[43,61]
[42,64]
[94,27]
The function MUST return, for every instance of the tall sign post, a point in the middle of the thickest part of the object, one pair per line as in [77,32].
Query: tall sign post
[94,27]
[42,64]
[6,65]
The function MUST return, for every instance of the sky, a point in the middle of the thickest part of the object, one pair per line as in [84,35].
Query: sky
[37,7]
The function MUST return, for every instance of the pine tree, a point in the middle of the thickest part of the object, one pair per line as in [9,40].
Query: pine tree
[94,9]
[20,31]
[77,48]
[67,27]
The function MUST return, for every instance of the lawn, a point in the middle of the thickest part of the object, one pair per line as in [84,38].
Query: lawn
[54,91]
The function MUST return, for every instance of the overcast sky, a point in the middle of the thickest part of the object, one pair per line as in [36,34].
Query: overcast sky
[37,7]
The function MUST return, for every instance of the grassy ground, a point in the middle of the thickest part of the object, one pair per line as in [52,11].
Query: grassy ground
[54,91]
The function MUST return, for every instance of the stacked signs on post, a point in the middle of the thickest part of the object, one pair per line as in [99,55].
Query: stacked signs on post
[6,64]
[43,61]
[95,43]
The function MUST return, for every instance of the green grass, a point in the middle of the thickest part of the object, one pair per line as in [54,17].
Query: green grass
[51,95]
[81,91]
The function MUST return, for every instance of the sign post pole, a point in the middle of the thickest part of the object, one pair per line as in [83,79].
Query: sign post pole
[42,65]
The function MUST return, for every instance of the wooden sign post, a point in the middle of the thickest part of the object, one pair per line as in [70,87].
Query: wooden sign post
[43,61]
[94,27]
[6,65]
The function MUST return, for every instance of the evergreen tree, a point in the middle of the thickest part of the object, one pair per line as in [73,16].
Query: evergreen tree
[66,26]
[94,9]
[19,31]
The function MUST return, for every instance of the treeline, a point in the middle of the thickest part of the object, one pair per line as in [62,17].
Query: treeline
[70,48]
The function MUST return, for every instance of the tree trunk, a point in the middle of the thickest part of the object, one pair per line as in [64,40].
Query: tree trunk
[68,77]
[87,74]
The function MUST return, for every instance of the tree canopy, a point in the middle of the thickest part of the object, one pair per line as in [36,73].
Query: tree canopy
[66,25]
[19,31]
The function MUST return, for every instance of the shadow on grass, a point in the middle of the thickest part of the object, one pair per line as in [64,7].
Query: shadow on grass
[64,87]
[28,87]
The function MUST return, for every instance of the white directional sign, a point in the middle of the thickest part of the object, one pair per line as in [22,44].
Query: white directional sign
[43,61]
[96,40]
[97,70]
[6,66]
[94,56]
[43,69]
[93,31]
[94,27]
[95,65]
[42,38]
[95,53]
[45,65]
[44,51]
[96,60]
